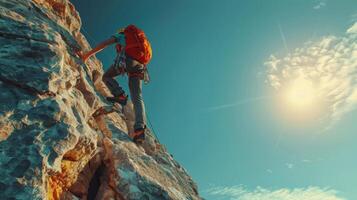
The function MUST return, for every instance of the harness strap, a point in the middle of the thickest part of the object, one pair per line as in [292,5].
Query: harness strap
[121,70]
[136,74]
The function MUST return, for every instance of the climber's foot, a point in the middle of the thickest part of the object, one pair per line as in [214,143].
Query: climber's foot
[121,99]
[138,136]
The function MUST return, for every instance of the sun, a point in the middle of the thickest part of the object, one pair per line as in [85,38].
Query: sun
[301,95]
[300,101]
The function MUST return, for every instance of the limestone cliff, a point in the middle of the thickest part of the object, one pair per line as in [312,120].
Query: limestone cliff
[51,146]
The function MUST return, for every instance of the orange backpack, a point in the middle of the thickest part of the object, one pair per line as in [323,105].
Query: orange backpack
[137,45]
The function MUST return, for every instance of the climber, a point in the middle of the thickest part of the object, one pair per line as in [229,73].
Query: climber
[133,54]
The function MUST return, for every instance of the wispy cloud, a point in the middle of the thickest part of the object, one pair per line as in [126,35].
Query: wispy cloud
[353,17]
[283,38]
[242,193]
[289,165]
[320,4]
[330,63]
[238,103]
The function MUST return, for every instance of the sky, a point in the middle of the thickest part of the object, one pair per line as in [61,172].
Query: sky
[256,99]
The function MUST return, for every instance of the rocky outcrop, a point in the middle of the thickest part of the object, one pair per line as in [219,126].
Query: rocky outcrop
[51,146]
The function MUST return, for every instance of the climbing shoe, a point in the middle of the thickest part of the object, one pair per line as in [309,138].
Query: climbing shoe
[138,135]
[121,99]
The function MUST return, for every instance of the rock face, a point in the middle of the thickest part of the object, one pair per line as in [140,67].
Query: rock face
[51,146]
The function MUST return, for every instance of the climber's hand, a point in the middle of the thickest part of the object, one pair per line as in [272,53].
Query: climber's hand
[82,56]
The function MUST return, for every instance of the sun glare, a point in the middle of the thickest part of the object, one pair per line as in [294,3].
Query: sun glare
[301,94]
[299,101]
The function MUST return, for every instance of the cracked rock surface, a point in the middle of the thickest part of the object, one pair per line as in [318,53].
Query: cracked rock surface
[51,147]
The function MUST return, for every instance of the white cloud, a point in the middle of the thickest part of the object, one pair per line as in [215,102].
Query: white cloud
[353,17]
[352,29]
[320,4]
[330,63]
[289,165]
[242,193]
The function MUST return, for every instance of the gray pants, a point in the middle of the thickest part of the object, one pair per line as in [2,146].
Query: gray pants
[135,87]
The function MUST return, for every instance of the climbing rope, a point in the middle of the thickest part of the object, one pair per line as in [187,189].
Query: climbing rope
[151,126]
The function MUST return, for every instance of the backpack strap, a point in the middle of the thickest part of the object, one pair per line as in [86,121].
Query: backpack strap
[120,62]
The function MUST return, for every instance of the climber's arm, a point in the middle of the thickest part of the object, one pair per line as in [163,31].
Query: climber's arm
[98,48]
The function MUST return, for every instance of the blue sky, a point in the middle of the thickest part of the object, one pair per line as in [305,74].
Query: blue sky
[212,101]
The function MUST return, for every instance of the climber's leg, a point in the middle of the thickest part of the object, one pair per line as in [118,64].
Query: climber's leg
[135,69]
[117,92]
[135,85]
